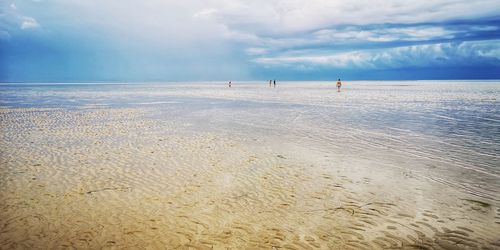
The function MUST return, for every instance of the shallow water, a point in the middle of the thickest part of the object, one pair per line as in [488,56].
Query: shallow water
[447,131]
[423,147]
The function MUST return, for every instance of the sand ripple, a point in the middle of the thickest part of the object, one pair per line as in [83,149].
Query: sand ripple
[122,178]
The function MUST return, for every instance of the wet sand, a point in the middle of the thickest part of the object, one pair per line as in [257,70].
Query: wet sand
[117,178]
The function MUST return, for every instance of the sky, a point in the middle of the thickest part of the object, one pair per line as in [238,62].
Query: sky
[222,40]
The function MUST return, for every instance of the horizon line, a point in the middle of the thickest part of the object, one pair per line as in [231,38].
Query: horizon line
[258,80]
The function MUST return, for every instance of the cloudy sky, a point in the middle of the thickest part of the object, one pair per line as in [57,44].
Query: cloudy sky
[155,40]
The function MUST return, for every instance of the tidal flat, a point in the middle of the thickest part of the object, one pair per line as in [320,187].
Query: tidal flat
[400,164]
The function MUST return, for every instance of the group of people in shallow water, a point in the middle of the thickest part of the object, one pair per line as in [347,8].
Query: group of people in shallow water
[273,82]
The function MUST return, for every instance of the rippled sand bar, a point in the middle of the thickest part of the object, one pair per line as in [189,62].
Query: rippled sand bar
[404,165]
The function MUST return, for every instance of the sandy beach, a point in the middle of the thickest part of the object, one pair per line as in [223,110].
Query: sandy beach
[204,167]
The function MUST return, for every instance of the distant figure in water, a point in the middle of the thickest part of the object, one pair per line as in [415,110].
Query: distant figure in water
[275,83]
[270,82]
[339,84]
[230,84]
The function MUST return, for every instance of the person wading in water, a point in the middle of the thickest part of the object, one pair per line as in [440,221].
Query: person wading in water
[339,84]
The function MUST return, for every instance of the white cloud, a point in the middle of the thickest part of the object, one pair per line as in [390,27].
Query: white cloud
[484,28]
[12,19]
[29,23]
[418,33]
[261,28]
[339,60]
[205,13]
[262,21]
[444,54]
[256,51]
[285,16]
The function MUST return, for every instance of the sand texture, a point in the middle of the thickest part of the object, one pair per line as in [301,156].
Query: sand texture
[139,178]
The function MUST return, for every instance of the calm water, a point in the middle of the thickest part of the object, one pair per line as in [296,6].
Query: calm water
[445,131]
